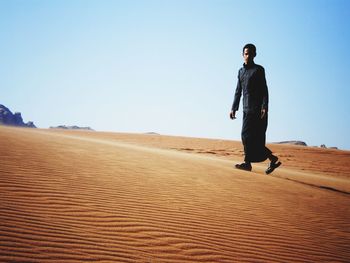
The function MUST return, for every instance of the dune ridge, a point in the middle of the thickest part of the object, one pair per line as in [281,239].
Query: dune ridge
[304,159]
[337,180]
[70,197]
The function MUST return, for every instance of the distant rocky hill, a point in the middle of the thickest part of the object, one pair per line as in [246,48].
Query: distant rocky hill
[151,133]
[304,144]
[293,143]
[8,118]
[74,127]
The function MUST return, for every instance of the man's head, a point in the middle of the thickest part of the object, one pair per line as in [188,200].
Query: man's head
[249,53]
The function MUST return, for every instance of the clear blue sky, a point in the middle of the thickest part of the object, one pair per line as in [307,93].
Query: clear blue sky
[171,66]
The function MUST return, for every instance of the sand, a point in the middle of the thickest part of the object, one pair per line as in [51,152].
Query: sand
[77,196]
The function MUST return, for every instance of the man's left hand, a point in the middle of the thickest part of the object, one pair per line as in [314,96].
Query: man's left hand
[263,113]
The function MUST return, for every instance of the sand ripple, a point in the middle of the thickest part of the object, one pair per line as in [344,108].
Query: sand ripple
[70,198]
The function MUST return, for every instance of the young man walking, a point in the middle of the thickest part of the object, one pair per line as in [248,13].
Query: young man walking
[252,83]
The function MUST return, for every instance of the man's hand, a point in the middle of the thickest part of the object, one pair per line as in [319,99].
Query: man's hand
[233,115]
[263,113]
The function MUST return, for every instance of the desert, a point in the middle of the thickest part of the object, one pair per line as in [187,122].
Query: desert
[83,196]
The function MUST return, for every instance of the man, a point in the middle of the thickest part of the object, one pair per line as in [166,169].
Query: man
[252,82]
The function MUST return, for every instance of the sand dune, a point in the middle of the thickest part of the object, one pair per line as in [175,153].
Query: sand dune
[73,196]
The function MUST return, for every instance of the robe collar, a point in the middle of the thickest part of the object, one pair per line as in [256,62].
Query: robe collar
[248,66]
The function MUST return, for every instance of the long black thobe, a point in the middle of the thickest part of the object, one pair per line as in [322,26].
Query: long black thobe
[252,83]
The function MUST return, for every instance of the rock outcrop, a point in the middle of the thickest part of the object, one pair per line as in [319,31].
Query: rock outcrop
[325,147]
[8,118]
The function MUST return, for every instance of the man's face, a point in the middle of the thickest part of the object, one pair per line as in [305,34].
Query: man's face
[248,56]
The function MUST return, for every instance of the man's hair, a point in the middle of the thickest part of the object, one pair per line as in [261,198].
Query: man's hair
[250,47]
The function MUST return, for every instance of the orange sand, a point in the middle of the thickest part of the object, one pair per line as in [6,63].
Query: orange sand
[75,196]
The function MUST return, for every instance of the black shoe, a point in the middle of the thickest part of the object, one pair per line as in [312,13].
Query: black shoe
[273,165]
[244,166]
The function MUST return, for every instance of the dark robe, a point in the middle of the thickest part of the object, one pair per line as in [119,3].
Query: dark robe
[252,83]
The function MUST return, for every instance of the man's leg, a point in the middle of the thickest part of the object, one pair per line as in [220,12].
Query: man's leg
[246,166]
[274,163]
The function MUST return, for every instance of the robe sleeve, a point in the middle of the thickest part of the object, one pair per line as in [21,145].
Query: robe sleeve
[265,92]
[238,95]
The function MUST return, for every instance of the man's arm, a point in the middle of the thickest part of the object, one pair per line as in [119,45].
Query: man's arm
[237,98]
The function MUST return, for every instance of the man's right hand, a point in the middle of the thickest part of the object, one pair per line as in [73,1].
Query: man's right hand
[233,115]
